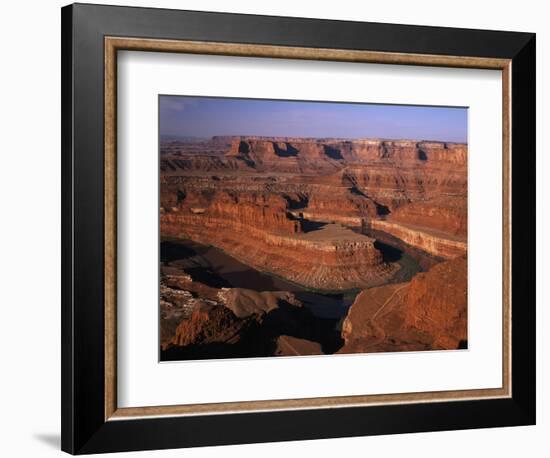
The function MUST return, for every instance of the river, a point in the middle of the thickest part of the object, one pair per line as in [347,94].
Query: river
[216,268]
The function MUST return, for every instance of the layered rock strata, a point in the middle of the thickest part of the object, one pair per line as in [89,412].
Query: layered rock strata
[238,322]
[442,214]
[437,243]
[427,313]
[259,232]
[285,206]
[351,182]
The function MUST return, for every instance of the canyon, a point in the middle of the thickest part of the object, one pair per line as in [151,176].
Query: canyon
[329,228]
[411,316]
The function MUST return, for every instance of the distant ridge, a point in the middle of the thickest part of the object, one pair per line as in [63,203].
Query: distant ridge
[183,138]
[230,138]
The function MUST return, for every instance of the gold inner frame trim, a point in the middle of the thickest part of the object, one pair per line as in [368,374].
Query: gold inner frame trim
[114,44]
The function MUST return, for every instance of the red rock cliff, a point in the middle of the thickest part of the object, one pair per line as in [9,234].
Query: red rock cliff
[428,313]
[255,230]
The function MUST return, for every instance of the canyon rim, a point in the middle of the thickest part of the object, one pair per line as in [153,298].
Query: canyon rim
[295,228]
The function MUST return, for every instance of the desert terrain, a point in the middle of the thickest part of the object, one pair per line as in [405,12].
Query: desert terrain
[278,246]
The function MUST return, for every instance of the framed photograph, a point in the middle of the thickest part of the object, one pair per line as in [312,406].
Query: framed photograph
[282,228]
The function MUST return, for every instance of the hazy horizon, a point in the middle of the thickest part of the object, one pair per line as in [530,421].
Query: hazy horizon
[205,117]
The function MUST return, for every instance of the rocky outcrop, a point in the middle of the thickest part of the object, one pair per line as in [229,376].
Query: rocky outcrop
[284,156]
[175,306]
[389,173]
[338,204]
[436,303]
[210,323]
[307,155]
[180,296]
[299,209]
[446,215]
[245,302]
[437,243]
[428,313]
[259,232]
[292,346]
[438,226]
[244,323]
[263,211]
[329,180]
[364,328]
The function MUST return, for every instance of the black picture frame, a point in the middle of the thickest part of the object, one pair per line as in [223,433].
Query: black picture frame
[84,428]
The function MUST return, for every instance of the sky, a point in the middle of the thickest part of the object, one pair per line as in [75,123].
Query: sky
[209,116]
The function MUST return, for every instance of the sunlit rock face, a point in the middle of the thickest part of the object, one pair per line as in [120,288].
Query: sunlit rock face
[427,313]
[259,199]
[310,211]
[261,233]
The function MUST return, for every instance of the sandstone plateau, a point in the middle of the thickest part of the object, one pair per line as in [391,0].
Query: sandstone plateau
[359,219]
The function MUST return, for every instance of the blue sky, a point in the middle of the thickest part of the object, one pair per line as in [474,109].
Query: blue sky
[208,116]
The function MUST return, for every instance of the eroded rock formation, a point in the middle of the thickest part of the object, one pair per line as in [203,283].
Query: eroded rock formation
[308,211]
[430,312]
[259,187]
[258,230]
[292,346]
[237,322]
[438,226]
[437,243]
